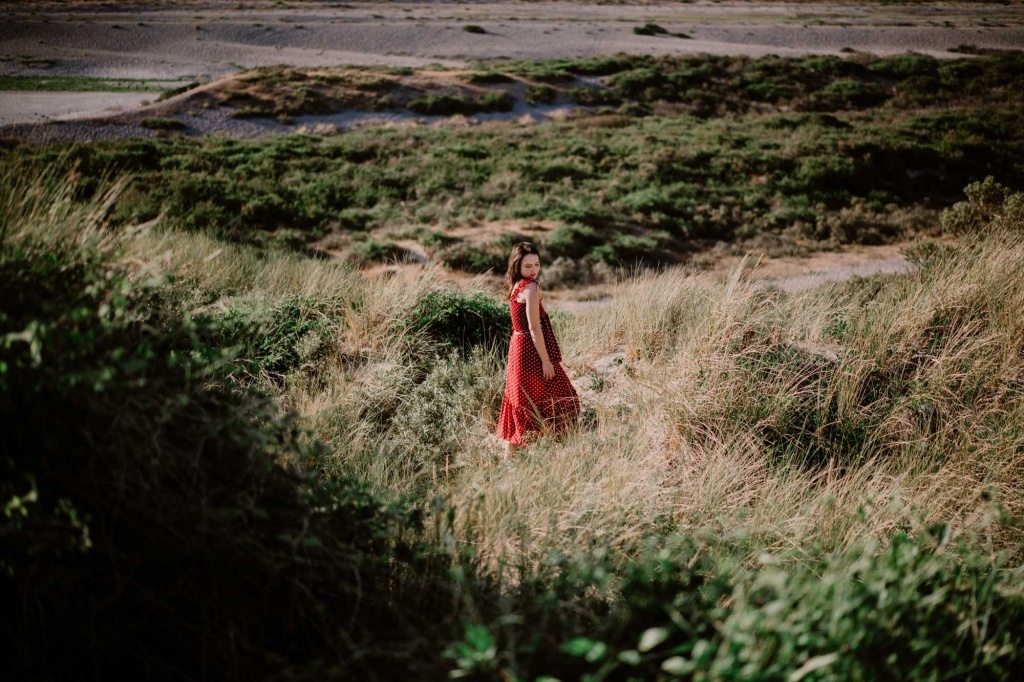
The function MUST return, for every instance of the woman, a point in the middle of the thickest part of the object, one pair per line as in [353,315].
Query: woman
[539,397]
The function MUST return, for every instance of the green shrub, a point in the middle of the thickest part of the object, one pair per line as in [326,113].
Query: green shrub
[167,94]
[450,105]
[368,251]
[469,258]
[433,421]
[556,170]
[685,611]
[154,534]
[488,78]
[433,240]
[989,205]
[927,254]
[589,96]
[811,428]
[274,340]
[645,84]
[554,71]
[452,319]
[625,248]
[541,94]
[497,101]
[847,94]
[570,240]
[473,28]
[906,65]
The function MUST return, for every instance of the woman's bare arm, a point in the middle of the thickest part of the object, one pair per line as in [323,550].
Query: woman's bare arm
[532,295]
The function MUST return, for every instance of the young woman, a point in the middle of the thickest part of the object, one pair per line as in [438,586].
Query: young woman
[538,395]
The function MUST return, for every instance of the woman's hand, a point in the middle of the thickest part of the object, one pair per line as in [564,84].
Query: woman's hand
[548,369]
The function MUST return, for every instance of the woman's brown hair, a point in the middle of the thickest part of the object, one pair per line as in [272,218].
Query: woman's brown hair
[515,260]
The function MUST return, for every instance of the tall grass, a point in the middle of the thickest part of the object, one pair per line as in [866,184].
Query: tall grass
[763,481]
[807,420]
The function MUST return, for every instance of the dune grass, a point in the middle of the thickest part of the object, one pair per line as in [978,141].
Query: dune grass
[749,463]
[763,483]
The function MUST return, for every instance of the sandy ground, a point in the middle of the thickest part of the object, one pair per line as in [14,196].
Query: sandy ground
[206,40]
[41,107]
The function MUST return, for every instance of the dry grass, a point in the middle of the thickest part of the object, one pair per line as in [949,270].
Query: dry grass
[686,381]
[669,449]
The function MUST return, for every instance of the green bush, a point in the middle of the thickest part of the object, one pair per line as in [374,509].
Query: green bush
[488,78]
[450,105]
[451,319]
[649,29]
[988,205]
[167,94]
[914,608]
[589,96]
[645,84]
[626,248]
[906,65]
[154,534]
[541,94]
[367,251]
[569,240]
[274,340]
[497,102]
[469,258]
[847,94]
[433,421]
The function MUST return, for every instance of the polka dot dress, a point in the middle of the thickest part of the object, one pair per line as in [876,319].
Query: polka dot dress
[532,404]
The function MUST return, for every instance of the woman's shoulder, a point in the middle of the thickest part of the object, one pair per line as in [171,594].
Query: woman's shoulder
[529,287]
[524,287]
[525,284]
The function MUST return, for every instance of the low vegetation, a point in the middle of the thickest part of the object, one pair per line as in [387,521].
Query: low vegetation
[666,156]
[80,84]
[270,466]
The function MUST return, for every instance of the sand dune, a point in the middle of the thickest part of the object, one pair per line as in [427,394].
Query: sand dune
[204,41]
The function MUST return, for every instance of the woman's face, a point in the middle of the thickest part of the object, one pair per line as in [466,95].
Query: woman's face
[529,267]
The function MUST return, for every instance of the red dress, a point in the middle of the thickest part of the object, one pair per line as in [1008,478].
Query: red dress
[533,405]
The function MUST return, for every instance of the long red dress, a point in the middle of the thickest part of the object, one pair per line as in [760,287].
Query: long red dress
[532,404]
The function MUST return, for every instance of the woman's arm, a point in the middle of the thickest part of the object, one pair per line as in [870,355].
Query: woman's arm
[532,295]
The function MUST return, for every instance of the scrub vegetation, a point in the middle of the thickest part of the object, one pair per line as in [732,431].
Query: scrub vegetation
[271,466]
[82,84]
[225,458]
[814,153]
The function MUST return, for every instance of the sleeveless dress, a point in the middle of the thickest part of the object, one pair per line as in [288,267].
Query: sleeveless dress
[533,405]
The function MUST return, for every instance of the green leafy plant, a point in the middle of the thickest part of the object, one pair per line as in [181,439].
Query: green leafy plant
[461,321]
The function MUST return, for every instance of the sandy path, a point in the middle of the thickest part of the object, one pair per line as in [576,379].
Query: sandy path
[788,274]
[41,107]
[202,41]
